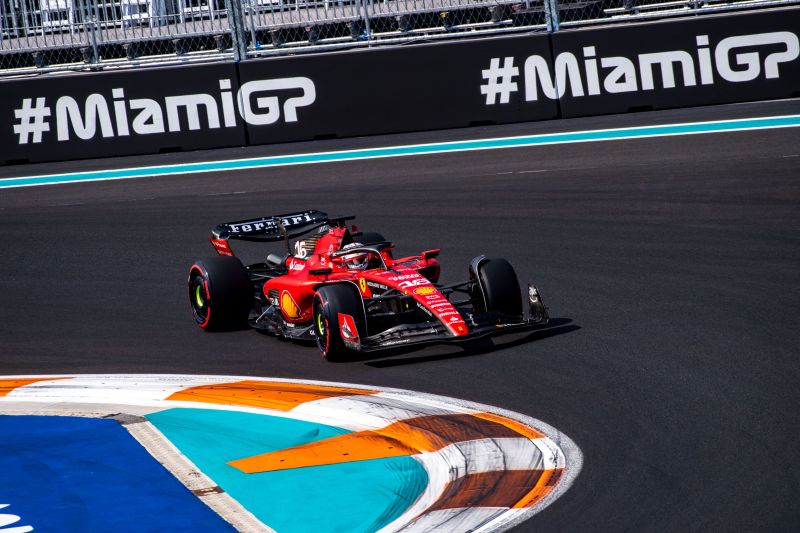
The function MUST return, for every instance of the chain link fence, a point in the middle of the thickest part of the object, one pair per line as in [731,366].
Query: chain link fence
[39,36]
[585,12]
[64,34]
[338,24]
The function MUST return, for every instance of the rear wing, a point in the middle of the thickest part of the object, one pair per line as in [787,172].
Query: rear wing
[272,228]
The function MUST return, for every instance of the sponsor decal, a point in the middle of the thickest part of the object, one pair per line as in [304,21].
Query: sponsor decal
[533,294]
[736,59]
[222,247]
[289,306]
[263,224]
[404,277]
[296,264]
[424,290]
[413,283]
[399,341]
[117,115]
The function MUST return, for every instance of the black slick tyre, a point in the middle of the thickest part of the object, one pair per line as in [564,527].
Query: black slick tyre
[220,293]
[329,302]
[500,287]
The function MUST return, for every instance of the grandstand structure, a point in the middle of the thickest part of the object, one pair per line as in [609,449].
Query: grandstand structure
[38,36]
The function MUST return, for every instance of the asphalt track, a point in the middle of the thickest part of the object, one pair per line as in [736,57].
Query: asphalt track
[671,266]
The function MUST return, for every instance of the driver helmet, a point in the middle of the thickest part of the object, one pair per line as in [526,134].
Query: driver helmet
[356,261]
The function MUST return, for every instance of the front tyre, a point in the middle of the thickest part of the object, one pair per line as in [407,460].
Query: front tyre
[500,287]
[220,293]
[339,321]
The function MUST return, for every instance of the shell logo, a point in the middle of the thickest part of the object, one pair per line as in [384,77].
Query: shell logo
[288,305]
[424,290]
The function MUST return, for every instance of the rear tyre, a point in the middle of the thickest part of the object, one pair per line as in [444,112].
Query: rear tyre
[329,302]
[220,293]
[500,287]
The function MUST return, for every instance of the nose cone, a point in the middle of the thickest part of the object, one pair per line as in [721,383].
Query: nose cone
[427,295]
[431,299]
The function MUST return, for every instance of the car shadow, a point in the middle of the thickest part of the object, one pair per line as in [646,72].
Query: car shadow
[225,329]
[481,346]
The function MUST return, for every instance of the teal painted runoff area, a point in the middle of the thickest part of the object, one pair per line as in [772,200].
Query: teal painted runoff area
[719,126]
[360,496]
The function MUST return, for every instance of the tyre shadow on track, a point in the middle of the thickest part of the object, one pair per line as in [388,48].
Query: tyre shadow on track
[557,326]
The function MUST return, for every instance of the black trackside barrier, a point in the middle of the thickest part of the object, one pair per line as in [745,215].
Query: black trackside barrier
[389,90]
[679,63]
[83,116]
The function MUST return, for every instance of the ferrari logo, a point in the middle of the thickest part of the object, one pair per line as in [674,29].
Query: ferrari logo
[362,284]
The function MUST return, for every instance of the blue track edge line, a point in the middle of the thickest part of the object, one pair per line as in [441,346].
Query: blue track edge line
[407,150]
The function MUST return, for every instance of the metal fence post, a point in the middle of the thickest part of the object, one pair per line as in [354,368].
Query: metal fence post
[95,53]
[238,35]
[252,13]
[365,16]
[90,27]
[551,14]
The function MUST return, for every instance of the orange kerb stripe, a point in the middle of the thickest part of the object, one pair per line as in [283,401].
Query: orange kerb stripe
[278,396]
[502,488]
[519,427]
[8,385]
[393,441]
[543,487]
[499,488]
[406,437]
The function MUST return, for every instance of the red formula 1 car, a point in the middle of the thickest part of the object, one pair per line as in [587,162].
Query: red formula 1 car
[344,289]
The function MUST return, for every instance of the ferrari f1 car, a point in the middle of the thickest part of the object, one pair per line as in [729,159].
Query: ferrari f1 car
[344,289]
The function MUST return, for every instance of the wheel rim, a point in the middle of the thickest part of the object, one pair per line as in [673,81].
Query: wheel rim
[197,297]
[320,325]
[322,330]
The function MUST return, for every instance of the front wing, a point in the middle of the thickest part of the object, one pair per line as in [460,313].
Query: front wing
[481,325]
[432,333]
